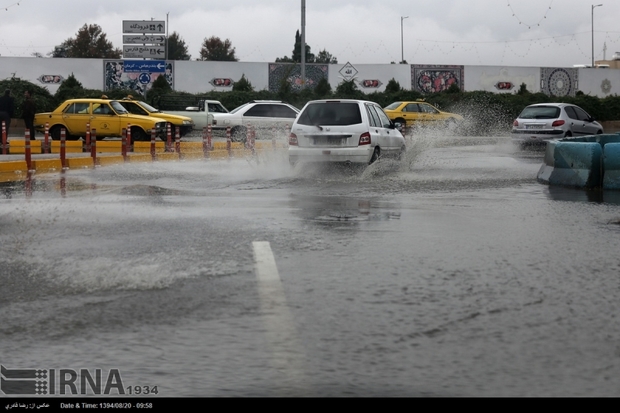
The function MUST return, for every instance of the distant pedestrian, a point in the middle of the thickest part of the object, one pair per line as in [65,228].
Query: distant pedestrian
[7,107]
[28,110]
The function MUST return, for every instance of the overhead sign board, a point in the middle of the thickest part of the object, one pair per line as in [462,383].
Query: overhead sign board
[144,39]
[150,66]
[144,52]
[144,26]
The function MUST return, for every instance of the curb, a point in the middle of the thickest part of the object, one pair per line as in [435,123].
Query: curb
[14,166]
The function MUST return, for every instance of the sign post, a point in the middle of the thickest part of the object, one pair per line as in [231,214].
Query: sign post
[144,39]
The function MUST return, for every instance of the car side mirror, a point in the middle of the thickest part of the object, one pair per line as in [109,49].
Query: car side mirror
[397,125]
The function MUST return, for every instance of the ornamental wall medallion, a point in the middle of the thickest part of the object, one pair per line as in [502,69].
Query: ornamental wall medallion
[222,82]
[606,86]
[504,85]
[559,81]
[50,79]
[370,83]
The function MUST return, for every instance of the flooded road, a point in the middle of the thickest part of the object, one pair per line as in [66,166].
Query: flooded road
[450,273]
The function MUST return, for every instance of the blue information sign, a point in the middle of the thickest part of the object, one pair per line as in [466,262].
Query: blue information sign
[149,66]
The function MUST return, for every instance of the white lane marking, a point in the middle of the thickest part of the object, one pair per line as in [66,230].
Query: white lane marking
[266,269]
[272,297]
[288,354]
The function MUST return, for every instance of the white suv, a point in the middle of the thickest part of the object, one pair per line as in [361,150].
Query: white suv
[348,131]
[262,114]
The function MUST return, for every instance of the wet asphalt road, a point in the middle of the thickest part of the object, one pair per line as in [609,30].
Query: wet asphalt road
[451,273]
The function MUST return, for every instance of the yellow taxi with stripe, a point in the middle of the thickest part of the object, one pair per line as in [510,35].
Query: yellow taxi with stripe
[107,116]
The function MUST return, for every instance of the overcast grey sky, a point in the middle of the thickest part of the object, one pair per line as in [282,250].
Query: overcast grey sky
[462,32]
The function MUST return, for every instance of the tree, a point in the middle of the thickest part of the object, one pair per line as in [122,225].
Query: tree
[89,42]
[177,49]
[325,57]
[523,89]
[348,89]
[243,85]
[215,49]
[43,99]
[323,88]
[160,87]
[70,88]
[297,50]
[392,86]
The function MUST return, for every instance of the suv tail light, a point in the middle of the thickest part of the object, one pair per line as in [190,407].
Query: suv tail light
[364,139]
[292,139]
[515,123]
[558,122]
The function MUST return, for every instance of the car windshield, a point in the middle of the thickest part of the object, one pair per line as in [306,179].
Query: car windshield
[540,112]
[217,108]
[118,108]
[235,110]
[331,113]
[393,106]
[148,107]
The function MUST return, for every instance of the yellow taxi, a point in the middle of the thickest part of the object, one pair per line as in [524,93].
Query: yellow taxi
[108,117]
[137,107]
[419,113]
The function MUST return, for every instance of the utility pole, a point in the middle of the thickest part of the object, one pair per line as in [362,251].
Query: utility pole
[593,7]
[402,48]
[303,44]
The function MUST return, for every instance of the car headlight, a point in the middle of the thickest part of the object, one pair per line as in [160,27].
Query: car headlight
[187,122]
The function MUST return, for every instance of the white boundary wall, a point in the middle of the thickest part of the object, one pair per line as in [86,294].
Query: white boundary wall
[197,76]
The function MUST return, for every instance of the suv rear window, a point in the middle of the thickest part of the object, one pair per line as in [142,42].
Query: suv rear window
[331,114]
[540,112]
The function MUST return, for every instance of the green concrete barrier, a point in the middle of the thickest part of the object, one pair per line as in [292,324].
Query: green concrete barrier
[579,162]
[572,164]
[611,166]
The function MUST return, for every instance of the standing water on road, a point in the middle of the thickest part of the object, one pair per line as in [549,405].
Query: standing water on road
[450,273]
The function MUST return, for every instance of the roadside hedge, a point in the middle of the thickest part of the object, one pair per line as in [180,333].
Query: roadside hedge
[486,112]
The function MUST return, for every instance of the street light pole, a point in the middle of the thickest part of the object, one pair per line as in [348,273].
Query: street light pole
[593,7]
[303,44]
[402,50]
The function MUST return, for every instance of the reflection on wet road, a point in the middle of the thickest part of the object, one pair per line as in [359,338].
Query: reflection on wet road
[451,273]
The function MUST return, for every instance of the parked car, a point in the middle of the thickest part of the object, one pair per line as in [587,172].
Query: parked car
[183,123]
[542,122]
[348,131]
[215,106]
[107,116]
[419,113]
[262,114]
[216,109]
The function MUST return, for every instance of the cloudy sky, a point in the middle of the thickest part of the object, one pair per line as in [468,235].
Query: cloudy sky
[463,32]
